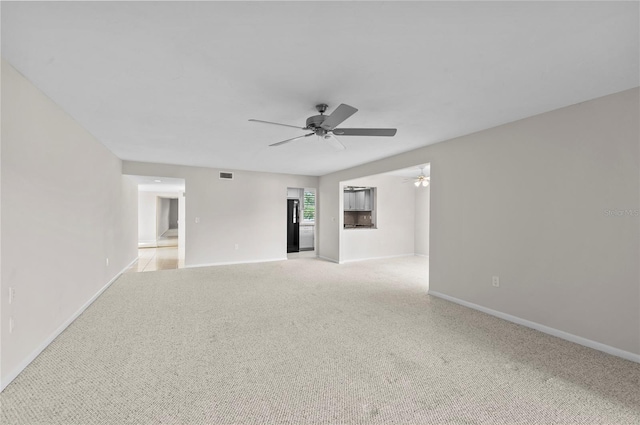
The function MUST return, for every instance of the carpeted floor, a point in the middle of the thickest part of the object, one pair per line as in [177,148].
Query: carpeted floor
[306,342]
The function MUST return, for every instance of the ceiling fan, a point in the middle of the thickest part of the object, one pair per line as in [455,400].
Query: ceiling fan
[325,126]
[421,179]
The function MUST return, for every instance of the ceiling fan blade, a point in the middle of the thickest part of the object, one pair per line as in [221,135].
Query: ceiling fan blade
[276,123]
[388,132]
[341,113]
[334,142]
[291,140]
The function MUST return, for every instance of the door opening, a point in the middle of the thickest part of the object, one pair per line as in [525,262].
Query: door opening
[301,240]
[161,222]
[167,221]
[293,225]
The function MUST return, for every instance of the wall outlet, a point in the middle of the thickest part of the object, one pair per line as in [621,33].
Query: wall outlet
[11,324]
[12,293]
[237,247]
[197,219]
[495,281]
[107,261]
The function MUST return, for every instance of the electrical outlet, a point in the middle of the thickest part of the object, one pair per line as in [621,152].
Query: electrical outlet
[107,261]
[496,281]
[237,247]
[10,324]
[197,219]
[12,294]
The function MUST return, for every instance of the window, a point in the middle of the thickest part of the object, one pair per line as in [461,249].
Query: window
[309,207]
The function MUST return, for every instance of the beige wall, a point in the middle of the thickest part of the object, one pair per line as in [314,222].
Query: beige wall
[249,211]
[395,211]
[528,201]
[422,197]
[66,208]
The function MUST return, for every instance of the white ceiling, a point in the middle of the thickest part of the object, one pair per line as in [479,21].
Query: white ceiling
[176,82]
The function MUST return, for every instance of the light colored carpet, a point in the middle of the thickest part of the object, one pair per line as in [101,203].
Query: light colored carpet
[305,342]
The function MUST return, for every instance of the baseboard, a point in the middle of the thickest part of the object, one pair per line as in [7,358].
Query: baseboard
[167,243]
[422,255]
[328,259]
[147,244]
[228,263]
[542,328]
[31,357]
[375,258]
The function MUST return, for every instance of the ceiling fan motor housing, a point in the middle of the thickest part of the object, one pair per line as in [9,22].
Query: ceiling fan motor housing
[314,123]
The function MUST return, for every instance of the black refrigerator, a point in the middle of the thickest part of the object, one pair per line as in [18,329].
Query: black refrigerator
[293,225]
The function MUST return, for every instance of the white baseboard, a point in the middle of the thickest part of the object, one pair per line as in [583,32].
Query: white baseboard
[328,259]
[228,263]
[147,244]
[376,258]
[12,375]
[422,255]
[542,328]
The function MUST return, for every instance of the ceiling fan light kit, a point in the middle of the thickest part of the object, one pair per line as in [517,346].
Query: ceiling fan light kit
[325,126]
[422,180]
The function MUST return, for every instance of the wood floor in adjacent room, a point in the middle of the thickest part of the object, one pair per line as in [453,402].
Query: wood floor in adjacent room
[310,342]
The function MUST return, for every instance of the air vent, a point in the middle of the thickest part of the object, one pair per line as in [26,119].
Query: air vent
[225,175]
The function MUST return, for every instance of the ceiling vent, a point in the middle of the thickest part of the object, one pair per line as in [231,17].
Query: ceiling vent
[226,175]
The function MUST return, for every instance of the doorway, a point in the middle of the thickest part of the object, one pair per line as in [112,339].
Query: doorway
[161,223]
[167,221]
[293,225]
[301,222]
[394,222]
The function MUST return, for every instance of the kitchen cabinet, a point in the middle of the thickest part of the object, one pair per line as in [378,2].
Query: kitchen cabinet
[359,200]
[359,208]
[349,201]
[306,238]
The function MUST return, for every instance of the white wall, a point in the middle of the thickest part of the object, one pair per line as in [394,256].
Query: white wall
[162,218]
[528,201]
[66,208]
[422,197]
[182,225]
[395,224]
[147,219]
[173,213]
[249,211]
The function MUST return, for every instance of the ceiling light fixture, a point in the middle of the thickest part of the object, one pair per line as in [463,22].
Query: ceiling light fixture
[422,179]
